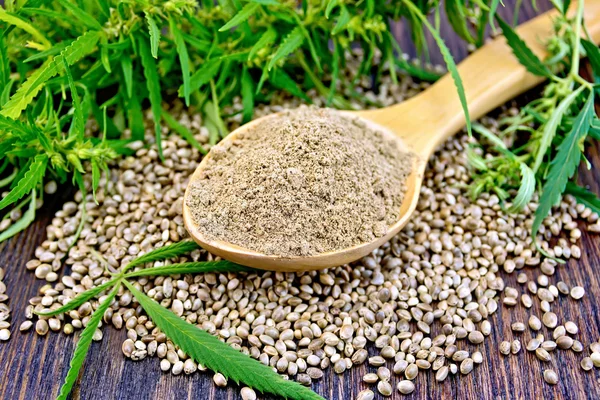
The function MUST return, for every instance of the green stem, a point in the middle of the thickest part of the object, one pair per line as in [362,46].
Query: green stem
[576,39]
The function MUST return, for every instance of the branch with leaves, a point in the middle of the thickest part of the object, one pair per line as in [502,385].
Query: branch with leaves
[548,136]
[202,347]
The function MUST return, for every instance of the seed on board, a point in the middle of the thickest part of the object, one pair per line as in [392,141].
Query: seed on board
[384,388]
[526,300]
[577,346]
[441,374]
[248,393]
[587,364]
[220,380]
[533,344]
[505,347]
[577,292]
[366,395]
[518,327]
[595,347]
[534,323]
[558,332]
[562,287]
[411,371]
[550,320]
[406,387]
[550,377]
[509,301]
[26,325]
[564,342]
[549,345]
[4,334]
[370,378]
[477,357]
[466,366]
[542,354]
[571,327]
[595,357]
[41,327]
[515,346]
[476,337]
[384,374]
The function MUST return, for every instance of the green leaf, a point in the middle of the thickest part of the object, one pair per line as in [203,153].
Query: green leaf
[342,21]
[16,127]
[265,40]
[267,2]
[190,268]
[247,95]
[593,54]
[184,60]
[209,70]
[283,81]
[127,74]
[246,12]
[82,16]
[154,35]
[78,126]
[26,26]
[218,356]
[95,178]
[80,299]
[83,345]
[330,6]
[551,126]
[26,219]
[564,164]
[584,196]
[447,58]
[492,13]
[290,44]
[523,53]
[57,48]
[182,131]
[165,252]
[153,85]
[455,10]
[28,183]
[526,189]
[81,47]
[104,58]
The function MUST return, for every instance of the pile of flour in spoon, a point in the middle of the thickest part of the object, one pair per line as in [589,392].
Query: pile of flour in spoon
[303,182]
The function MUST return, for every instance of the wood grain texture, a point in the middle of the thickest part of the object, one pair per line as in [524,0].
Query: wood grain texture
[33,368]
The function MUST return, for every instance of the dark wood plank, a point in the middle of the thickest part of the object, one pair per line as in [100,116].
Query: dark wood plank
[33,368]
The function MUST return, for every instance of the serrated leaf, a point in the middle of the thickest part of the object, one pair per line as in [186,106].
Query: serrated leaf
[523,53]
[78,126]
[565,164]
[266,39]
[182,131]
[184,60]
[593,54]
[26,26]
[201,77]
[246,12]
[153,85]
[26,219]
[447,58]
[551,125]
[165,252]
[342,21]
[526,189]
[16,128]
[82,16]
[190,268]
[83,345]
[30,180]
[282,80]
[80,299]
[154,35]
[584,196]
[455,10]
[57,48]
[81,47]
[218,356]
[267,2]
[247,95]
[127,68]
[290,44]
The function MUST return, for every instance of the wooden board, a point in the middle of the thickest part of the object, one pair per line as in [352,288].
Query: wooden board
[33,368]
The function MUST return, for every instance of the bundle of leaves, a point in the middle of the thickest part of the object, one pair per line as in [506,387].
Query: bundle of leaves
[64,63]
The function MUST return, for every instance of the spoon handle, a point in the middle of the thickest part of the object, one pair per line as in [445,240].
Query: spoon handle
[491,76]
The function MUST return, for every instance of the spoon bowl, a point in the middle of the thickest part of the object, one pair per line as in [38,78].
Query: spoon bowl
[491,76]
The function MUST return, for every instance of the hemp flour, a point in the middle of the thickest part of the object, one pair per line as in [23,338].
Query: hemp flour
[303,182]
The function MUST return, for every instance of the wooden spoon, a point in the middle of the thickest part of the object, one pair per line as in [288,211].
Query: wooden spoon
[491,76]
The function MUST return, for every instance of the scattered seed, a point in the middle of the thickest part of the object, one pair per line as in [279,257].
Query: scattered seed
[249,394]
[577,346]
[384,388]
[587,364]
[564,342]
[370,378]
[518,327]
[534,323]
[505,347]
[571,327]
[550,320]
[549,345]
[595,357]
[220,380]
[550,377]
[406,387]
[533,345]
[441,374]
[366,395]
[515,346]
[542,354]
[577,292]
